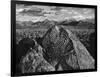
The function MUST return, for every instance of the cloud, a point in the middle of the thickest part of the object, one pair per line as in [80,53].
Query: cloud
[89,11]
[56,8]
[40,13]
[78,17]
[30,10]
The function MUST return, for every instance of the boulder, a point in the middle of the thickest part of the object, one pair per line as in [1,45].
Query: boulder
[65,50]
[33,61]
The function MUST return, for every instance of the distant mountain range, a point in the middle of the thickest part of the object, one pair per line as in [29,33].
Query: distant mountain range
[88,23]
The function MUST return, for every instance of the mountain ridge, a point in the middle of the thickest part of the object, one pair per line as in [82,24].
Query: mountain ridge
[48,23]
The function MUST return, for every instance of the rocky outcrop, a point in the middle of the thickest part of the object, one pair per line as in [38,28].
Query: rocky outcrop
[64,49]
[60,51]
[33,61]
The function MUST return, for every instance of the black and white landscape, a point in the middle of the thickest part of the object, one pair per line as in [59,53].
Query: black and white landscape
[54,38]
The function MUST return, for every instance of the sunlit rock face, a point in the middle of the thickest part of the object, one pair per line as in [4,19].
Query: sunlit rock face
[65,51]
[59,49]
[85,60]
[55,40]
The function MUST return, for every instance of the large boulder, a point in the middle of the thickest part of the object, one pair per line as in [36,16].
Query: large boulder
[85,60]
[65,51]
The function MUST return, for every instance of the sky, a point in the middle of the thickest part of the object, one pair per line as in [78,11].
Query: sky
[37,13]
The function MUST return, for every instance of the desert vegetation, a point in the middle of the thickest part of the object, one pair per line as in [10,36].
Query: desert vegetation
[82,34]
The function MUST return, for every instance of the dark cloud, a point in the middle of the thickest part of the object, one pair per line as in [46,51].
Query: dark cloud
[32,12]
[56,8]
[47,13]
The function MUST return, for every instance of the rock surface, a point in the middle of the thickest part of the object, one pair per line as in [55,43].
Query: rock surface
[85,60]
[34,62]
[63,48]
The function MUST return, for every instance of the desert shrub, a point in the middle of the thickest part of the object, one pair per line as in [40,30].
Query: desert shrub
[82,34]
